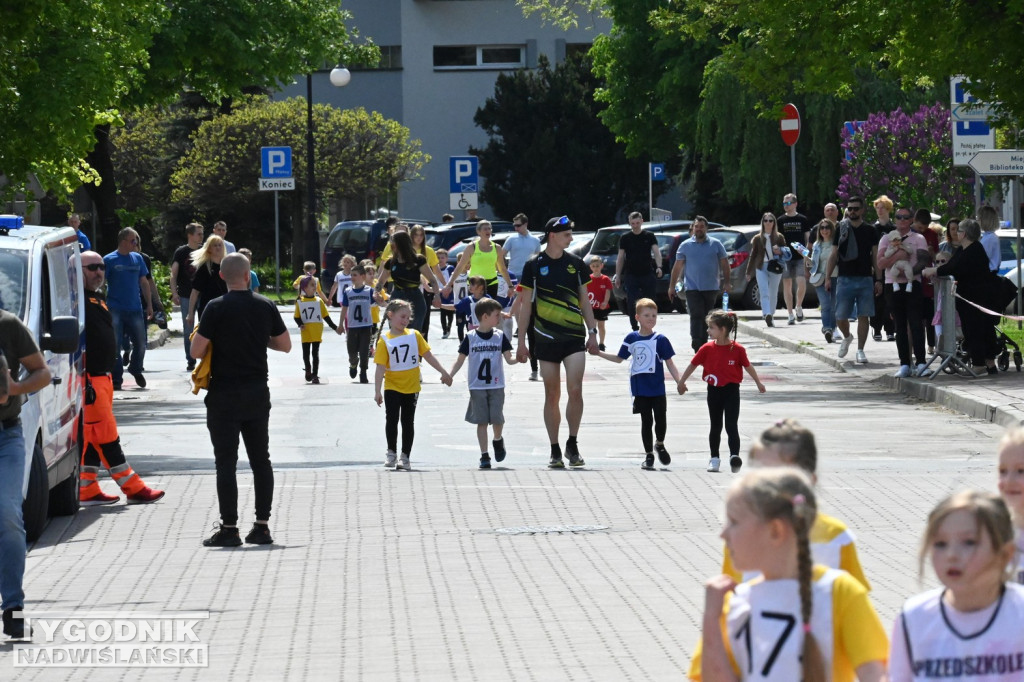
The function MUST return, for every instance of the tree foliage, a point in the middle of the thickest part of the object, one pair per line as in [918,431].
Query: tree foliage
[549,154]
[64,68]
[908,157]
[359,154]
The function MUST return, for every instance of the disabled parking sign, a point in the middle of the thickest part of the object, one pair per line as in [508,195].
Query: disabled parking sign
[464,182]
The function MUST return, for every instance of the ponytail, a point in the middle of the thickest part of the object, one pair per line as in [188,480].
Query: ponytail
[812,661]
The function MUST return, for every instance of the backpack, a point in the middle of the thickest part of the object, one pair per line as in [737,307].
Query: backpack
[847,242]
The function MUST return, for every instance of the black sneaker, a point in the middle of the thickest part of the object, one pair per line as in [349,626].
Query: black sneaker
[485,462]
[663,455]
[735,463]
[14,624]
[352,372]
[648,462]
[190,365]
[877,336]
[499,450]
[259,535]
[768,321]
[140,379]
[556,462]
[362,378]
[224,537]
[572,451]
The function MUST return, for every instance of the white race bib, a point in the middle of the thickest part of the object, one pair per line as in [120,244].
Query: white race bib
[309,311]
[403,352]
[644,356]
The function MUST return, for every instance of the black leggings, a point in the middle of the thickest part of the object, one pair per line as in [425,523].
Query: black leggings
[428,299]
[308,348]
[399,407]
[447,317]
[724,402]
[652,411]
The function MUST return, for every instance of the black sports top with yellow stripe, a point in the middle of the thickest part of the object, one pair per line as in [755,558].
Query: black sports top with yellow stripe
[556,282]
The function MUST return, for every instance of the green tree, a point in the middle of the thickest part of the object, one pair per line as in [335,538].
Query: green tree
[360,154]
[549,154]
[64,67]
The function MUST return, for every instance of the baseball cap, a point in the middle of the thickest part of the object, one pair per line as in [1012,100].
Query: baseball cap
[556,225]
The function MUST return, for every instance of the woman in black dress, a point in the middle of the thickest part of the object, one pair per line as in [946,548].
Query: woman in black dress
[404,269]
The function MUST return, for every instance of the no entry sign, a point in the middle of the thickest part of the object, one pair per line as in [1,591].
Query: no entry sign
[789,125]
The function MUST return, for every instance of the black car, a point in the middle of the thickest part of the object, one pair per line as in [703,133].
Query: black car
[360,238]
[447,235]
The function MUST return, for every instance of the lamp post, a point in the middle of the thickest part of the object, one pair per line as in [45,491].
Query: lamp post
[340,77]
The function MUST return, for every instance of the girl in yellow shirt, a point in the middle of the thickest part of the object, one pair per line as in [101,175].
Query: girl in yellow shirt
[397,357]
[311,314]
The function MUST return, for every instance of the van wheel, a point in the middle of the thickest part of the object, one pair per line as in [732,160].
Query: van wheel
[36,502]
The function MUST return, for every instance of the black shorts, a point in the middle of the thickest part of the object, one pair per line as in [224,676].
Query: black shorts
[556,351]
[658,403]
[601,314]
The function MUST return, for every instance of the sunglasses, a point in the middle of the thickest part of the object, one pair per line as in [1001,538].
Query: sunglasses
[788,203]
[902,216]
[854,208]
[564,220]
[93,267]
[767,220]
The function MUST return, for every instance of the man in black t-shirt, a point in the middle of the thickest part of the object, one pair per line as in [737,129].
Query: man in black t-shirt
[182,272]
[239,327]
[795,227]
[554,291]
[853,257]
[102,444]
[638,265]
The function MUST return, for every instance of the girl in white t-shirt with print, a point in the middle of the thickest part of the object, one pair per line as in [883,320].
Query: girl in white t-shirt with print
[971,628]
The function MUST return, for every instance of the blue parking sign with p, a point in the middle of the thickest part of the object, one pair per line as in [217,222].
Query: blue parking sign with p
[275,162]
[657,172]
[464,174]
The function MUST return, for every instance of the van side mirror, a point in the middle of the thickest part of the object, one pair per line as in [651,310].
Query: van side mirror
[63,336]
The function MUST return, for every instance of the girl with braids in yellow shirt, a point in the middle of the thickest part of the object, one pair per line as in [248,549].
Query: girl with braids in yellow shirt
[798,620]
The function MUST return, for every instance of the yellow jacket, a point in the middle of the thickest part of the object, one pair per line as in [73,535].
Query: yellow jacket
[201,374]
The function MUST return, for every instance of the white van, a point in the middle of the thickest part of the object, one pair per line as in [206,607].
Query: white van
[41,282]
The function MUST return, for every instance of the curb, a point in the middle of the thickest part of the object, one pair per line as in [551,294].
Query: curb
[958,400]
[156,339]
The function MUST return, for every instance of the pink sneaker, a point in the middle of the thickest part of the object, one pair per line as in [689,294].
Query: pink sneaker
[145,496]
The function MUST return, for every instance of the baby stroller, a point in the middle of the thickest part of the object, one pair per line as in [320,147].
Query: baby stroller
[1005,346]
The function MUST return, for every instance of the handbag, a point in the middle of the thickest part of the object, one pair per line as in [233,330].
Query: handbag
[775,267]
[817,279]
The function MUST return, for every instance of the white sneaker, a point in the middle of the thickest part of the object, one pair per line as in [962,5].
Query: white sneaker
[390,458]
[534,377]
[403,463]
[909,285]
[844,345]
[861,358]
[903,372]
[713,465]
[920,370]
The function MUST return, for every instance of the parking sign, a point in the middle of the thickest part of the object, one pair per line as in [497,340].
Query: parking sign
[464,182]
[275,162]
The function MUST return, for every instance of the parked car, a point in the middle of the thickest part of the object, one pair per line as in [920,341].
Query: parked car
[1007,249]
[743,294]
[41,282]
[450,234]
[360,238]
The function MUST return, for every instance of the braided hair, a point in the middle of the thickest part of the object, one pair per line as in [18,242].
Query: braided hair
[725,319]
[793,442]
[787,494]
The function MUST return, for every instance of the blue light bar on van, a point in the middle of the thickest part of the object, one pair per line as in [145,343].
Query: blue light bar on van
[11,222]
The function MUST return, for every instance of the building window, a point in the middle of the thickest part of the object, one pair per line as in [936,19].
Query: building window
[390,60]
[452,57]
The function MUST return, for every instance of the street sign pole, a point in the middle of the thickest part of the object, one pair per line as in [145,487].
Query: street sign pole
[650,190]
[277,247]
[792,168]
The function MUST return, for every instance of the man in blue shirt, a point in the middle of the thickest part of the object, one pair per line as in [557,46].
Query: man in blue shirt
[520,246]
[75,221]
[126,278]
[703,263]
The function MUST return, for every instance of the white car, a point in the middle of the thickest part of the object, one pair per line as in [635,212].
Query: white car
[41,282]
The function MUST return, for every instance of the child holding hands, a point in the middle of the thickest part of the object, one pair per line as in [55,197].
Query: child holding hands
[724,361]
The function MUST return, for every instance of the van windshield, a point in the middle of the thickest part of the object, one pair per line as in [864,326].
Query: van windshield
[13,281]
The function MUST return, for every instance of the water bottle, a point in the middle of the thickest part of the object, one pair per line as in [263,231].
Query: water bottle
[725,301]
[679,287]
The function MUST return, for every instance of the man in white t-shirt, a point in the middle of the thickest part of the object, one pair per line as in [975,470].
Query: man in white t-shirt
[220,228]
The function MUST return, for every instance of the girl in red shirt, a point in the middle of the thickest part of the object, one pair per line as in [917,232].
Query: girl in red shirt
[724,361]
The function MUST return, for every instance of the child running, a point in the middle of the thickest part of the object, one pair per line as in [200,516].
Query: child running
[485,346]
[648,350]
[343,278]
[398,356]
[447,316]
[310,315]
[1011,487]
[356,300]
[798,621]
[599,293]
[787,443]
[724,361]
[971,627]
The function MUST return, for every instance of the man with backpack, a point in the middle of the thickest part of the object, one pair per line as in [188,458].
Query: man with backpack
[854,256]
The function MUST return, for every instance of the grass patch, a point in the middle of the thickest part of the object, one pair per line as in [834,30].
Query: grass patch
[1009,327]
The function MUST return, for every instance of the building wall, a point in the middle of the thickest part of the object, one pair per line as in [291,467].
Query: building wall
[438,105]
